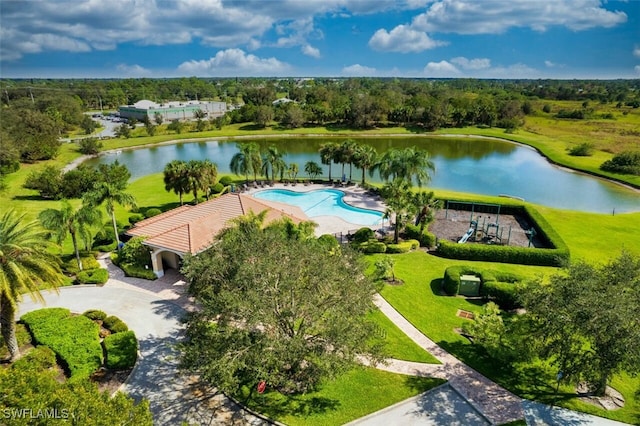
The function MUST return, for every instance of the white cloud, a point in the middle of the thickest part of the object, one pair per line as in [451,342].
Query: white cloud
[133,70]
[549,64]
[497,16]
[637,69]
[441,69]
[232,62]
[636,51]
[471,64]
[358,70]
[402,39]
[309,50]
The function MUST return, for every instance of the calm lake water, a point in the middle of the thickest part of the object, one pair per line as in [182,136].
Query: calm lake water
[481,166]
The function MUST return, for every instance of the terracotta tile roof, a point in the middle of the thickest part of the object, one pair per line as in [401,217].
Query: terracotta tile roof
[191,229]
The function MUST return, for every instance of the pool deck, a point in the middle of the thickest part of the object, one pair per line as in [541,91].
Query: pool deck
[354,195]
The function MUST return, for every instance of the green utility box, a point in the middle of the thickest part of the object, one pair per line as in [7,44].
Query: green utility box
[469,285]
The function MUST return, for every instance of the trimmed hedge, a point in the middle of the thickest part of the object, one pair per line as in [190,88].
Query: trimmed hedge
[135,218]
[75,339]
[121,350]
[93,276]
[226,180]
[95,314]
[373,246]
[499,287]
[152,212]
[556,256]
[88,262]
[426,238]
[363,235]
[38,359]
[137,272]
[403,246]
[114,324]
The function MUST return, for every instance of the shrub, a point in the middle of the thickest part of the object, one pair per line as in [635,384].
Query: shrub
[131,270]
[38,359]
[152,212]
[583,150]
[114,324]
[217,188]
[363,235]
[135,218]
[226,180]
[403,246]
[329,242]
[74,339]
[90,146]
[95,314]
[93,276]
[451,279]
[373,246]
[121,350]
[627,162]
[426,238]
[71,265]
[503,293]
[135,252]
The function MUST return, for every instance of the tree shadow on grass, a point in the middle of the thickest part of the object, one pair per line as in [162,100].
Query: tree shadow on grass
[277,406]
[31,198]
[250,127]
[422,384]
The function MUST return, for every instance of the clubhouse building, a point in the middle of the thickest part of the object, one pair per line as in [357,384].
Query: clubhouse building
[172,110]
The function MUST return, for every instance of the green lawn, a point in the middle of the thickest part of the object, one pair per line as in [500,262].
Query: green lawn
[357,393]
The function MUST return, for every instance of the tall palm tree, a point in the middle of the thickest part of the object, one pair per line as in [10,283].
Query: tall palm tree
[313,169]
[25,264]
[347,151]
[176,179]
[397,197]
[365,157]
[110,195]
[423,206]
[68,221]
[247,160]
[293,170]
[327,153]
[272,161]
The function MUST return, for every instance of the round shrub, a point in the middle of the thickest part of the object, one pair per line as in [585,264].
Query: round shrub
[93,276]
[135,252]
[328,242]
[121,350]
[217,188]
[114,324]
[226,180]
[135,218]
[403,246]
[363,235]
[152,212]
[95,314]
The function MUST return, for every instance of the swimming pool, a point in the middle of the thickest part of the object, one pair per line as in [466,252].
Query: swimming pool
[323,202]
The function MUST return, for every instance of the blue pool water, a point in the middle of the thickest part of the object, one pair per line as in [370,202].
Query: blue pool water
[323,202]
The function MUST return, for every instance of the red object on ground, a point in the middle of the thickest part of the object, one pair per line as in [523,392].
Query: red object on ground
[262,386]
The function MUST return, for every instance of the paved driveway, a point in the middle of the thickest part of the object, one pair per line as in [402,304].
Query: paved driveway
[174,398]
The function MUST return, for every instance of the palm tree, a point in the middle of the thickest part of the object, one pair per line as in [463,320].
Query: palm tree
[313,169]
[68,221]
[272,161]
[176,179]
[407,164]
[397,197]
[365,157]
[25,264]
[327,153]
[346,154]
[110,195]
[423,207]
[247,160]
[201,175]
[292,171]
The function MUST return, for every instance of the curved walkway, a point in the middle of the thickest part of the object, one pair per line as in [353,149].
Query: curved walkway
[490,401]
[174,398]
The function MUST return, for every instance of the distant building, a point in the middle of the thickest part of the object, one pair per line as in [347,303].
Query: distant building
[172,110]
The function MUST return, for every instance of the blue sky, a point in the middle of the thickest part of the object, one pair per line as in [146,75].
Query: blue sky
[279,38]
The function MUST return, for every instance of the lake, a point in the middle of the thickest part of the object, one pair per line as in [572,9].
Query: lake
[481,166]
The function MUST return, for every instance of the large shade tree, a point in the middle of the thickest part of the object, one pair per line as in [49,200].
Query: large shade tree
[26,266]
[586,320]
[276,308]
[69,221]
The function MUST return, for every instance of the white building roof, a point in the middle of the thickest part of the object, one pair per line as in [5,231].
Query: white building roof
[145,104]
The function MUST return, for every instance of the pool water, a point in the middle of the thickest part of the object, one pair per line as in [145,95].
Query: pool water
[323,202]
